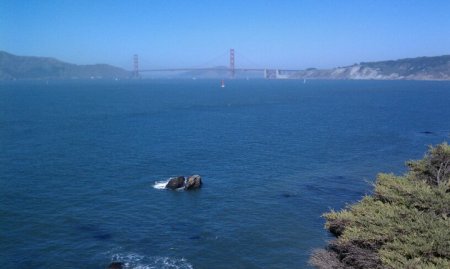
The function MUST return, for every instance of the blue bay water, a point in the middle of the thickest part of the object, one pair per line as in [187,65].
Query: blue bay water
[79,161]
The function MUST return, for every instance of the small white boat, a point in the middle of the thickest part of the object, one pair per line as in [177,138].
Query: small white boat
[222,85]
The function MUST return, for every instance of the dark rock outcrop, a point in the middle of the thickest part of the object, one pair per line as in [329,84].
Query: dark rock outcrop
[326,259]
[337,227]
[115,265]
[175,183]
[193,182]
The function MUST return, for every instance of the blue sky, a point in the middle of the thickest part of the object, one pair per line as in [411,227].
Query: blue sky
[283,33]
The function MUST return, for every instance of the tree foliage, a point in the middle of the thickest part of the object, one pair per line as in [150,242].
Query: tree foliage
[404,224]
[434,168]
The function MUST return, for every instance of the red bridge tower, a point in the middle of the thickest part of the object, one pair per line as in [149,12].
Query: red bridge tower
[135,66]
[232,63]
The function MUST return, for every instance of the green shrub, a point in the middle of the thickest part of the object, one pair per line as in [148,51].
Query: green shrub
[404,224]
[434,168]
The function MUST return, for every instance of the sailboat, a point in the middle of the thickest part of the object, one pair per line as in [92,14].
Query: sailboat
[222,85]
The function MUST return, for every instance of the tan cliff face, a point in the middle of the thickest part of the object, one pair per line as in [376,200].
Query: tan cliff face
[424,68]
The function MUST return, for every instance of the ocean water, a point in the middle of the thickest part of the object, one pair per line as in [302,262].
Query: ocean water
[81,165]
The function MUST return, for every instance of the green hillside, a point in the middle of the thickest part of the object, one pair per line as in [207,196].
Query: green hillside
[26,67]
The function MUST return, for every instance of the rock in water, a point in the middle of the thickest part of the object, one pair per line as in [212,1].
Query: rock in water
[115,265]
[193,182]
[175,183]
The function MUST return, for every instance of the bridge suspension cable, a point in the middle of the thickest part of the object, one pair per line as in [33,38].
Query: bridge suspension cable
[212,61]
[231,68]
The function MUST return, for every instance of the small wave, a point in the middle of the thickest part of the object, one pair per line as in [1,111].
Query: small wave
[136,261]
[160,185]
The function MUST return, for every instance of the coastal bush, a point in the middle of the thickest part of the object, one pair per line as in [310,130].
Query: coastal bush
[404,224]
[434,168]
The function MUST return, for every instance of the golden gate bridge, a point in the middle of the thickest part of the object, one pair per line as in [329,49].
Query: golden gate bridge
[268,73]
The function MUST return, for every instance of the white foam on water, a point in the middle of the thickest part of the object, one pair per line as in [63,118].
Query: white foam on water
[160,185]
[137,261]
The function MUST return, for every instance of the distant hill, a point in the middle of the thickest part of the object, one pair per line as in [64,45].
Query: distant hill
[26,67]
[421,68]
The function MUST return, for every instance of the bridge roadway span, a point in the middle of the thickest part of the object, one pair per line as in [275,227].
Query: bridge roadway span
[213,69]
[268,73]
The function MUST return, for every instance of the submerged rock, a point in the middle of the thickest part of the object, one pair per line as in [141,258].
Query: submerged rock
[193,182]
[288,195]
[103,236]
[175,183]
[115,265]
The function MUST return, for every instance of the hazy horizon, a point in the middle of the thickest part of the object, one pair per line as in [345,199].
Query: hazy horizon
[264,34]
